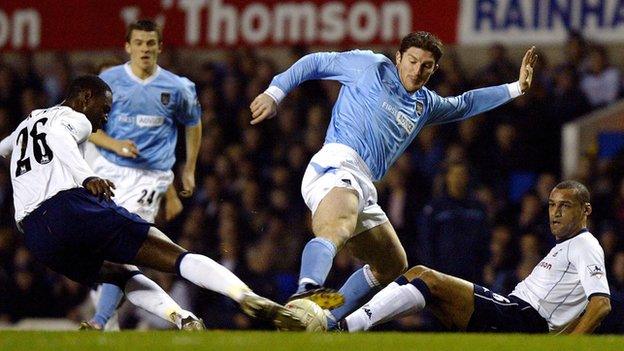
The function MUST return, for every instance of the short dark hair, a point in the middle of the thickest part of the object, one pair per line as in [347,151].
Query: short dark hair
[582,194]
[146,26]
[87,82]
[422,40]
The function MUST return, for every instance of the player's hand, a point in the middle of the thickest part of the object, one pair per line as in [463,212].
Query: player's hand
[173,206]
[263,107]
[102,188]
[526,69]
[188,182]
[126,148]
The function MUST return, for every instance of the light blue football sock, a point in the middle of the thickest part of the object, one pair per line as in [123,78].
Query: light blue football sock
[316,261]
[110,295]
[356,290]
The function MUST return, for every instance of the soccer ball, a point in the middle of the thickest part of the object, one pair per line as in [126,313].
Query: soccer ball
[311,314]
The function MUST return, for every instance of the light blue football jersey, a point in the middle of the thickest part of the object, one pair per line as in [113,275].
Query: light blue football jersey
[374,114]
[147,112]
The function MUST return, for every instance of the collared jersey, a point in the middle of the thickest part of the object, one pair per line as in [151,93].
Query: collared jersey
[374,114]
[45,156]
[147,112]
[560,286]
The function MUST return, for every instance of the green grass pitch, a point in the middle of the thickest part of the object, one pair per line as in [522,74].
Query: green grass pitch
[269,341]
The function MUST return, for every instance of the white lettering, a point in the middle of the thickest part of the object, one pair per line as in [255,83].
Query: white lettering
[148,121]
[367,13]
[192,9]
[222,14]
[403,121]
[399,13]
[294,22]
[26,21]
[332,24]
[297,16]
[21,30]
[253,13]
[129,14]
[401,118]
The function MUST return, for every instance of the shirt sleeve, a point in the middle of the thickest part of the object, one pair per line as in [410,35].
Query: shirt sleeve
[189,110]
[470,103]
[588,258]
[345,67]
[6,145]
[64,135]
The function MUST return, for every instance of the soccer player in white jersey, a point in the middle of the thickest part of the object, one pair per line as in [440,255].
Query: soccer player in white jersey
[567,292]
[137,145]
[71,225]
[381,107]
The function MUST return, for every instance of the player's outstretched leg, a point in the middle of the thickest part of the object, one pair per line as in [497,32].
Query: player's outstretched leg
[449,298]
[159,252]
[333,224]
[381,249]
[146,294]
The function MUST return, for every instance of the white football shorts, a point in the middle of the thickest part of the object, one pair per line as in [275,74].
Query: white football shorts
[137,190]
[337,165]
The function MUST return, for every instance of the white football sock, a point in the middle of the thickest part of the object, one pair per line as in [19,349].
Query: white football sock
[390,302]
[208,274]
[146,294]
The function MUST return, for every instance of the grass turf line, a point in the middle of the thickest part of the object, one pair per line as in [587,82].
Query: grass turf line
[241,340]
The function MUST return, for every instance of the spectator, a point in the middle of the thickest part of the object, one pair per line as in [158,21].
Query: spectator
[601,83]
[452,223]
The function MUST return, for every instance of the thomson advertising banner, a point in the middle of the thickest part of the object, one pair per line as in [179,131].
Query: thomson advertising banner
[539,21]
[94,24]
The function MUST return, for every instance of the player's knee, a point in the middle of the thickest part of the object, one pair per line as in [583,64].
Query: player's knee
[415,272]
[398,267]
[433,279]
[336,232]
[390,270]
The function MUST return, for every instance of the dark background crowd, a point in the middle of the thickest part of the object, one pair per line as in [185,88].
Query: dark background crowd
[469,198]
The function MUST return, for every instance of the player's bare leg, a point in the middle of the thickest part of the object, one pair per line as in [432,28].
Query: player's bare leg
[333,224]
[450,299]
[159,252]
[385,259]
[381,248]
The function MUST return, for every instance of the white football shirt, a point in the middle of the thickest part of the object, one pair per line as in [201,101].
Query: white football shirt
[560,286]
[45,156]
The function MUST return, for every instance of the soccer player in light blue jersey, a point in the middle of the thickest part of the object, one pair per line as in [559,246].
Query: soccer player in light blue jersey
[380,109]
[137,146]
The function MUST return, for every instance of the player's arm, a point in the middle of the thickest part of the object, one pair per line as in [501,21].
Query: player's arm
[597,309]
[588,258]
[173,205]
[477,101]
[345,67]
[124,148]
[189,114]
[63,137]
[470,103]
[6,145]
[193,142]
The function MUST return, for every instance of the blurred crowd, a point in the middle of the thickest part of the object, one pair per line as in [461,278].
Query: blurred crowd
[469,199]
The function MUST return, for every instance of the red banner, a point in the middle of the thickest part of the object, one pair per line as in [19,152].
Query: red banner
[91,24]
